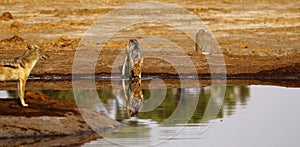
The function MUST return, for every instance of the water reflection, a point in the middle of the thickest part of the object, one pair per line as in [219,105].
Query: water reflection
[235,95]
[119,104]
[4,94]
[134,97]
[148,127]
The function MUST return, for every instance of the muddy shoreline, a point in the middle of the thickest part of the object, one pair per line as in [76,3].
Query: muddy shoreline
[259,41]
[45,119]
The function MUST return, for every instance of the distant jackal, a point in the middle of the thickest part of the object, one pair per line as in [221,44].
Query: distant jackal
[19,68]
[133,61]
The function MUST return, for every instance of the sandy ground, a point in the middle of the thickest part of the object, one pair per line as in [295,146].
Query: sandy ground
[257,38]
[260,42]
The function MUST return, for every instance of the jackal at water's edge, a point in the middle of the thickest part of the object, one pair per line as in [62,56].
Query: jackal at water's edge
[19,68]
[132,68]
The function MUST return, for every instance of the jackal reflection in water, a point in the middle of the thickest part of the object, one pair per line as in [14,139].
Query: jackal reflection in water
[134,97]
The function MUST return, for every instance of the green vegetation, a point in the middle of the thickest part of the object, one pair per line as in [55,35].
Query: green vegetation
[234,95]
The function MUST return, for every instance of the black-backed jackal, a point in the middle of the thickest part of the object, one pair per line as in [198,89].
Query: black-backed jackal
[132,68]
[133,61]
[19,68]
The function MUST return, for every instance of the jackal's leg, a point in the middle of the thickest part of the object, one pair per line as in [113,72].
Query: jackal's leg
[124,67]
[21,87]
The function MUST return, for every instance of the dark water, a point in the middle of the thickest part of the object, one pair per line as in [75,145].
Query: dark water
[248,116]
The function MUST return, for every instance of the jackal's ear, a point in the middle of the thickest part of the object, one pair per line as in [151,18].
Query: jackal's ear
[30,46]
[132,40]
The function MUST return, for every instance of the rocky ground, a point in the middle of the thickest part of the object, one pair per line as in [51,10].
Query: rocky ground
[259,41]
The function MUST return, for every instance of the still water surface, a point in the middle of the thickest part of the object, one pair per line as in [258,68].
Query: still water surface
[249,116]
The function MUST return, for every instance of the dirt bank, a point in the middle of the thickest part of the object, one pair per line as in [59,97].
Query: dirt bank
[259,41]
[46,117]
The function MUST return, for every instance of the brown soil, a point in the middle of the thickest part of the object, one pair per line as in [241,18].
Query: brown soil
[13,39]
[6,16]
[259,39]
[256,43]
[46,117]
[37,101]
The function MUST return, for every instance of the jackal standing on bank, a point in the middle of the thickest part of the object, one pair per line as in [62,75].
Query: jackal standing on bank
[19,68]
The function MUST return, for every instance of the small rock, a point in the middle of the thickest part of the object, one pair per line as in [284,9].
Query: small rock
[244,45]
[14,38]
[16,25]
[62,41]
[6,16]
[37,95]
